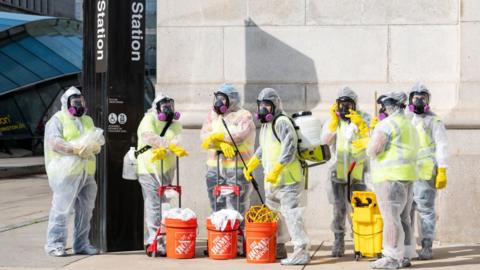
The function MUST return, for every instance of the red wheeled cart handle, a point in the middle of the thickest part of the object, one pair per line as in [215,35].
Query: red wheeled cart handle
[162,189]
[217,190]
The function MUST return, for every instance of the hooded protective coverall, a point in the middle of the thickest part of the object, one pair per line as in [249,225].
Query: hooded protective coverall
[393,150]
[286,195]
[71,177]
[150,172]
[432,157]
[242,128]
[341,141]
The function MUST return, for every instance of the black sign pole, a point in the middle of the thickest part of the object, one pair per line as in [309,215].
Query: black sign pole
[113,81]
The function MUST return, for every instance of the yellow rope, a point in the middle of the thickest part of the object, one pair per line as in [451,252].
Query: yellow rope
[261,214]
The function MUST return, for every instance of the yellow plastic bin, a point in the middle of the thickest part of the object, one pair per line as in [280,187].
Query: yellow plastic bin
[367,225]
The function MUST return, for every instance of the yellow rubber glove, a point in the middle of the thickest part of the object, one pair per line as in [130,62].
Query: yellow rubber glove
[217,136]
[95,148]
[359,122]
[441,180]
[374,122]
[273,175]
[177,150]
[213,140]
[158,154]
[77,149]
[251,165]
[85,152]
[333,118]
[206,143]
[227,149]
[360,144]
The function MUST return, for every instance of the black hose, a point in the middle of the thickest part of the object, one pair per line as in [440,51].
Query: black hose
[254,183]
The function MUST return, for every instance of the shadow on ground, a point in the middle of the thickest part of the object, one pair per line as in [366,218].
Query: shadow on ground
[444,256]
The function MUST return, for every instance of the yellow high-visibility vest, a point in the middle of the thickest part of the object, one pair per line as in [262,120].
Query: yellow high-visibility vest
[71,132]
[426,152]
[150,123]
[271,151]
[398,161]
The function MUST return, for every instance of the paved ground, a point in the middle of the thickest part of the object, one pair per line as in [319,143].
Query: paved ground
[16,166]
[24,204]
[21,162]
[23,201]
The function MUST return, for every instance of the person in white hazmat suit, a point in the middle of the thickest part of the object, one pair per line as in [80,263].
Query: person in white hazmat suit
[160,130]
[70,165]
[345,125]
[432,164]
[393,151]
[283,176]
[215,138]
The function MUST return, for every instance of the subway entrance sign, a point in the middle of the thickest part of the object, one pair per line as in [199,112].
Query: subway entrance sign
[113,84]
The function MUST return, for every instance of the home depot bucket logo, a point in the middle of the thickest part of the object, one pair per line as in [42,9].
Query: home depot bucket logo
[184,242]
[259,250]
[222,243]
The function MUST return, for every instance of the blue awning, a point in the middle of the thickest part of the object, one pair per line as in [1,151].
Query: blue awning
[34,49]
[9,19]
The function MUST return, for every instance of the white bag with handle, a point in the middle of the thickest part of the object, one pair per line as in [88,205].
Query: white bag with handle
[129,171]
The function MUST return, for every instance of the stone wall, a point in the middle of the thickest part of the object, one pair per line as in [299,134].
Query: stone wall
[308,49]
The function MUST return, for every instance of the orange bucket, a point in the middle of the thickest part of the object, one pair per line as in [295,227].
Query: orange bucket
[261,241]
[181,236]
[222,245]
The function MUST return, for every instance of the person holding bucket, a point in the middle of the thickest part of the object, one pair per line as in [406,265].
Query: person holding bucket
[283,175]
[160,132]
[223,162]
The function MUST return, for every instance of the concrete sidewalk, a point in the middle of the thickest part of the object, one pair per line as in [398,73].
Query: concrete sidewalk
[451,257]
[13,167]
[24,204]
[21,162]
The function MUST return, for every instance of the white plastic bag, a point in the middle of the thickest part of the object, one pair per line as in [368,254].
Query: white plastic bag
[171,194]
[90,138]
[129,171]
[63,166]
[221,218]
[179,213]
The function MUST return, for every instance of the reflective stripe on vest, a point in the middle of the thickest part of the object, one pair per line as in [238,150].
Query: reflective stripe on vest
[271,151]
[150,123]
[343,147]
[398,161]
[426,152]
[244,148]
[71,132]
